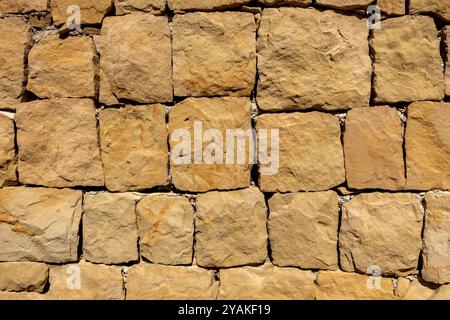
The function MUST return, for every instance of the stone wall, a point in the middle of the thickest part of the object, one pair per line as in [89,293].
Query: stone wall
[94,203]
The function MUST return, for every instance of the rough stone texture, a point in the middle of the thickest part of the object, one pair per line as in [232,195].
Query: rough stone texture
[428,146]
[346,4]
[230,228]
[266,283]
[62,68]
[22,6]
[436,239]
[303,230]
[373,147]
[214,54]
[418,289]
[6,295]
[134,147]
[39,224]
[166,226]
[8,161]
[110,234]
[290,2]
[441,8]
[336,285]
[214,113]
[392,7]
[91,12]
[408,64]
[205,4]
[58,145]
[383,231]
[136,61]
[23,276]
[96,282]
[15,36]
[446,37]
[313,67]
[135,6]
[155,282]
[311,155]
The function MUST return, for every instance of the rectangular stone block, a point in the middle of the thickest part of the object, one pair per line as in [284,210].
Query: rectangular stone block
[23,276]
[345,4]
[392,7]
[439,8]
[8,159]
[137,6]
[22,6]
[205,4]
[91,12]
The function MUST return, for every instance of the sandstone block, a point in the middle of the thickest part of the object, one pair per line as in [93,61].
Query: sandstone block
[440,8]
[392,7]
[22,6]
[418,289]
[21,296]
[8,161]
[23,276]
[91,12]
[205,4]
[446,37]
[136,6]
[346,4]
[294,2]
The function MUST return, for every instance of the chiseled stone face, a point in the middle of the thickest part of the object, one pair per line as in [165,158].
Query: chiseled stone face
[22,6]
[440,8]
[205,4]
[137,6]
[91,12]
[23,276]
[8,161]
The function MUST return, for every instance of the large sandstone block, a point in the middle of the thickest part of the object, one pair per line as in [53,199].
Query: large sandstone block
[91,12]
[418,289]
[58,145]
[22,6]
[392,7]
[39,224]
[134,147]
[23,276]
[205,4]
[155,282]
[428,146]
[346,4]
[310,152]
[214,54]
[21,296]
[381,232]
[373,147]
[266,283]
[62,68]
[408,64]
[291,2]
[136,6]
[166,227]
[436,239]
[303,230]
[202,165]
[313,67]
[8,160]
[446,37]
[441,8]
[110,234]
[230,228]
[136,60]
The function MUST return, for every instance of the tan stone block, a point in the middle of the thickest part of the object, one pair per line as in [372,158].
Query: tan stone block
[346,4]
[23,276]
[418,289]
[91,12]
[205,4]
[136,6]
[21,296]
[440,8]
[8,160]
[292,2]
[22,6]
[392,7]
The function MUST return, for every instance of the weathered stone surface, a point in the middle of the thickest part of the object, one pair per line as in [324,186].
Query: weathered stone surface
[231,228]
[418,289]
[381,231]
[196,172]
[310,152]
[15,36]
[58,145]
[266,283]
[62,68]
[436,239]
[373,147]
[91,12]
[313,67]
[23,276]
[446,37]
[408,64]
[22,6]
[214,54]
[134,147]
[8,161]
[392,7]
[85,281]
[336,285]
[155,282]
[441,8]
[277,2]
[428,146]
[303,230]
[110,234]
[346,4]
[136,62]
[6,295]
[166,226]
[205,4]
[135,6]
[39,224]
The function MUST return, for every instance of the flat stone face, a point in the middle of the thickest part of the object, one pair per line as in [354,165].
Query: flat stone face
[346,4]
[441,8]
[110,233]
[136,63]
[62,68]
[134,147]
[373,147]
[381,232]
[155,282]
[214,54]
[428,146]
[85,281]
[313,67]
[203,168]
[418,289]
[205,4]
[392,7]
[21,296]
[136,6]
[58,145]
[408,64]
[8,162]
[436,239]
[39,224]
[266,283]
[91,12]
[303,230]
[272,2]
[337,285]
[231,228]
[446,37]
[23,276]
[310,152]
[15,36]
[166,227]
[22,6]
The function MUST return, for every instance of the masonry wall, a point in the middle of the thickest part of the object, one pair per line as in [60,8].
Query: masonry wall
[98,200]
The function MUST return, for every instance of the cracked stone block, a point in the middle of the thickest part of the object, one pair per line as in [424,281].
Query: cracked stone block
[23,276]
[91,12]
[8,159]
